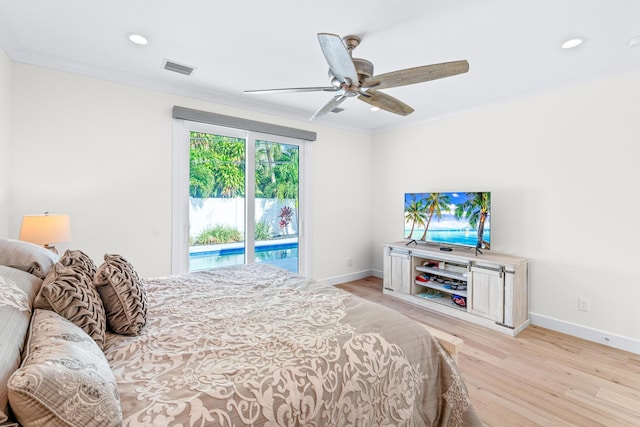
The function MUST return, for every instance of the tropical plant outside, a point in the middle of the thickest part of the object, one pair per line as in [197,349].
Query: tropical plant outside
[217,170]
[276,171]
[285,215]
[218,234]
[225,234]
[216,166]
[263,231]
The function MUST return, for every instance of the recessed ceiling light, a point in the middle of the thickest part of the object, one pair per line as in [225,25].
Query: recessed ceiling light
[573,42]
[375,108]
[137,38]
[634,42]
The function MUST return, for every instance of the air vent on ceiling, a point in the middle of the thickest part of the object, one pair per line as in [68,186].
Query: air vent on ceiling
[337,110]
[178,68]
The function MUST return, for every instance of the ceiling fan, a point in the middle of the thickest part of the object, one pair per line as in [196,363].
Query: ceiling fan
[354,77]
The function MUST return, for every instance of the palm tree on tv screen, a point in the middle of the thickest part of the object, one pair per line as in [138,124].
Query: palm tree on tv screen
[476,210]
[416,214]
[437,204]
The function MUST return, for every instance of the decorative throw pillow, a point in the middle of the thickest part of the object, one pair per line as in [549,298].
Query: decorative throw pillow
[27,257]
[78,260]
[17,291]
[71,294]
[123,295]
[65,378]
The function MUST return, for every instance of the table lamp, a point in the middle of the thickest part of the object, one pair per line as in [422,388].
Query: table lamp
[45,230]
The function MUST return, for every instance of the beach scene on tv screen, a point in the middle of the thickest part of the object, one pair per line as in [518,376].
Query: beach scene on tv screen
[456,218]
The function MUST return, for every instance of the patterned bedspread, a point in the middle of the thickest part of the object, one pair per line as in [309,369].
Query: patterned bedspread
[258,346]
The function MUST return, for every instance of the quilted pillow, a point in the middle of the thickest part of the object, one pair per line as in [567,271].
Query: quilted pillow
[78,260]
[71,294]
[17,291]
[65,378]
[123,295]
[26,256]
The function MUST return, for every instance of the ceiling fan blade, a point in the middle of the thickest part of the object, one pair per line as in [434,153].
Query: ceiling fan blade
[333,103]
[411,76]
[338,58]
[385,102]
[294,89]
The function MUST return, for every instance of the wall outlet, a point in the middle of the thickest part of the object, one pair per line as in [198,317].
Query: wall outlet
[584,304]
[348,262]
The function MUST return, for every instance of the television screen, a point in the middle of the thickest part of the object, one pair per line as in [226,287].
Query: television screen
[448,218]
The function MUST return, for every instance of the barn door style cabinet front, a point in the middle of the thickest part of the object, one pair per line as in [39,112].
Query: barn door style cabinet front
[486,289]
[397,265]
[486,295]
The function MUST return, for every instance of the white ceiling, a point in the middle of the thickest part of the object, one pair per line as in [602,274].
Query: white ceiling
[513,47]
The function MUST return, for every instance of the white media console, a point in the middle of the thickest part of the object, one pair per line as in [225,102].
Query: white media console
[491,289]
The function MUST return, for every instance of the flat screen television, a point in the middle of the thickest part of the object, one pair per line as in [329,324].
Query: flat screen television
[450,218]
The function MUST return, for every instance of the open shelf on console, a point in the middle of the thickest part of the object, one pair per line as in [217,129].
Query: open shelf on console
[440,288]
[443,273]
[442,300]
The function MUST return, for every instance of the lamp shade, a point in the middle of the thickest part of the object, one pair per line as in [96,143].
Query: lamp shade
[45,229]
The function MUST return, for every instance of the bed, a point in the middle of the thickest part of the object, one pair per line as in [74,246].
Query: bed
[249,345]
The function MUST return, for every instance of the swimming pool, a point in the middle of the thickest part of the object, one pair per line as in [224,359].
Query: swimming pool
[280,253]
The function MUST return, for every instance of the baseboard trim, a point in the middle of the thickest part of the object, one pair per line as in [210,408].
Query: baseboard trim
[602,337]
[611,340]
[337,280]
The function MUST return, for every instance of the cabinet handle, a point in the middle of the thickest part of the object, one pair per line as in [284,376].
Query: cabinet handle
[500,269]
[403,254]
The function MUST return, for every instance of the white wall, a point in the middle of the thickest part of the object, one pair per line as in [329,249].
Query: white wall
[5,135]
[560,166]
[101,152]
[341,198]
[563,172]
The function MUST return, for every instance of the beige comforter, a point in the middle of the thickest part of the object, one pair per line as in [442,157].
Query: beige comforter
[255,345]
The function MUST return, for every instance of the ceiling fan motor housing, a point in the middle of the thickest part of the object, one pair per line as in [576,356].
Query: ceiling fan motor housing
[364,68]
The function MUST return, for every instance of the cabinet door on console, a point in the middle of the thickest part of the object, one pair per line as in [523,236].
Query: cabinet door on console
[396,270]
[486,293]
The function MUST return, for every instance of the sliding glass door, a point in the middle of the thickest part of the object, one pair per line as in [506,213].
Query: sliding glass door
[245,199]
[276,202]
[217,175]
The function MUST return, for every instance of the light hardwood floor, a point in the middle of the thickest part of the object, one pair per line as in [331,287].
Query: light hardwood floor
[538,378]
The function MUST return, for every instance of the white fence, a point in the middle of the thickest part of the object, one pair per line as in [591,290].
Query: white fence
[208,213]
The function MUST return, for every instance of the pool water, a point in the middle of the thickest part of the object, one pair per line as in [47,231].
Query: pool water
[284,255]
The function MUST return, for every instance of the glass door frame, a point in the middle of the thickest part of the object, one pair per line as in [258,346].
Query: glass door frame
[180,192]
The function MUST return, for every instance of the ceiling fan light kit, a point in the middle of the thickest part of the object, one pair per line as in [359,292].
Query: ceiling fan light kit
[353,77]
